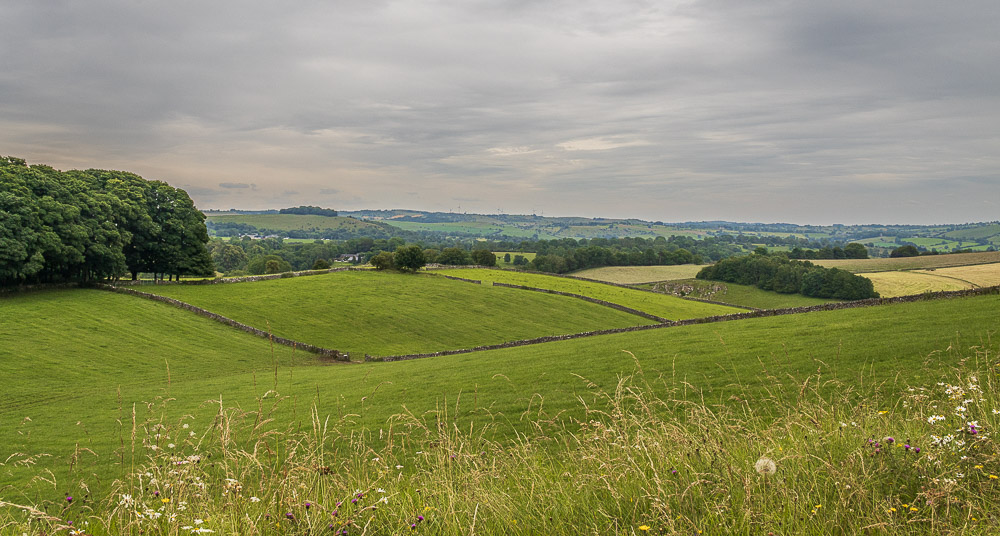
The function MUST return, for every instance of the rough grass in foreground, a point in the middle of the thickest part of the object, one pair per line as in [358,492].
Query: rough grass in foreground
[919,461]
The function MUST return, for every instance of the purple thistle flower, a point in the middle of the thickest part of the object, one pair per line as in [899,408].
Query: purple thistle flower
[906,446]
[354,501]
[413,526]
[889,440]
[420,518]
[290,515]
[916,449]
[69,498]
[308,504]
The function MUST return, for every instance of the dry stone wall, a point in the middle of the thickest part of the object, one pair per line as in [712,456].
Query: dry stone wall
[589,299]
[325,352]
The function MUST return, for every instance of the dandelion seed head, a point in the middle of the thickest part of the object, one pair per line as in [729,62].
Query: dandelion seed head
[765,466]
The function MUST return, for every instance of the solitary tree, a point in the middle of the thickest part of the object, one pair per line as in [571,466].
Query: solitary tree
[382,261]
[484,257]
[409,258]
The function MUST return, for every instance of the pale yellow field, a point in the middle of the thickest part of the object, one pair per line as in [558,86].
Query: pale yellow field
[983,275]
[911,263]
[891,284]
[628,275]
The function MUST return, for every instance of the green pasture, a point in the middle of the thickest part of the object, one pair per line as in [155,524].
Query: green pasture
[86,359]
[664,306]
[388,313]
[738,295]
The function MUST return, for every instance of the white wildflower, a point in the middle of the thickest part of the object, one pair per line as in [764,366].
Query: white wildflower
[765,466]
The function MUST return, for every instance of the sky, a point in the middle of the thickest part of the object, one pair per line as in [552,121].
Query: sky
[806,112]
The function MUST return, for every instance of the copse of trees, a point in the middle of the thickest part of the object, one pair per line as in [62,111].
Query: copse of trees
[88,225]
[781,274]
[309,210]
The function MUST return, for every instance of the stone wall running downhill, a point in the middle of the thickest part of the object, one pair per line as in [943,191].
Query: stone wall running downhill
[325,352]
[589,299]
[871,302]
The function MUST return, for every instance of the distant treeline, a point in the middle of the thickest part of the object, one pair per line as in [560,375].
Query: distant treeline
[309,210]
[787,276]
[75,225]
[850,251]
[566,254]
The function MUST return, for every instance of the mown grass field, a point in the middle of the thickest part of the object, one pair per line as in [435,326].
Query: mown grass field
[74,350]
[388,313]
[904,283]
[669,307]
[911,263]
[738,295]
[631,275]
[296,222]
[981,275]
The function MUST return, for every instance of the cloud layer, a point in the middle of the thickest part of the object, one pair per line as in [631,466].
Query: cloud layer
[809,112]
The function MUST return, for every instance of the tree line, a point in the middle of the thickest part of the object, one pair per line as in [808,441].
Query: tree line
[309,210]
[781,274]
[81,226]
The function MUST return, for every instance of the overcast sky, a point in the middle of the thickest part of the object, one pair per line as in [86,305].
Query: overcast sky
[772,111]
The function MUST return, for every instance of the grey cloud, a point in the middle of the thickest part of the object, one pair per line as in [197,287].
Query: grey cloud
[687,108]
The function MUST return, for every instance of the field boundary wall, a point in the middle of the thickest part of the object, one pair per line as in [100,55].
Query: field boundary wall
[325,352]
[871,302]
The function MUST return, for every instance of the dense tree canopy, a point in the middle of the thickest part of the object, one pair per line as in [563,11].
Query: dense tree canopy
[88,225]
[309,210]
[778,273]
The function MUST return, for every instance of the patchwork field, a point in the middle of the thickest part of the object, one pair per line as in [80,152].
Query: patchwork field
[911,263]
[669,307]
[631,275]
[296,222]
[388,313]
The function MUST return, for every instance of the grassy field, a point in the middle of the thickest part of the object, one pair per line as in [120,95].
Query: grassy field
[739,295]
[388,313]
[295,222]
[96,357]
[912,263]
[631,275]
[663,306]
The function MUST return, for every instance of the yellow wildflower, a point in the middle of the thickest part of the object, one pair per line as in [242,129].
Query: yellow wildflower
[644,528]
